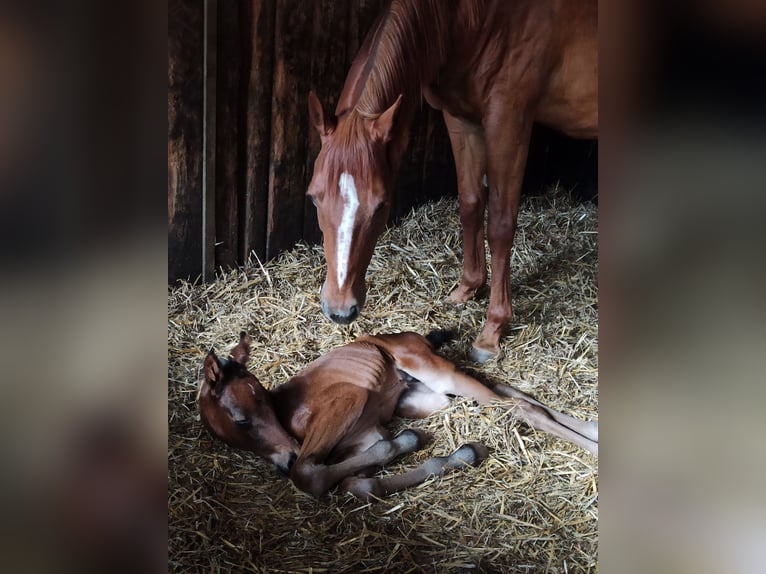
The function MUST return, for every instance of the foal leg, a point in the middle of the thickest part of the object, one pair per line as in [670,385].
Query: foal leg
[471,164]
[317,479]
[413,354]
[368,488]
[419,401]
[588,429]
[508,130]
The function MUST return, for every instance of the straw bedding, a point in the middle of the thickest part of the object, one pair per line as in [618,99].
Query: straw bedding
[531,507]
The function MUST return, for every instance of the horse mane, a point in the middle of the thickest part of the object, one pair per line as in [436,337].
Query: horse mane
[407,42]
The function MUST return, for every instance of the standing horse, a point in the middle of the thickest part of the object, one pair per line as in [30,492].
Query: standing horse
[327,423]
[493,67]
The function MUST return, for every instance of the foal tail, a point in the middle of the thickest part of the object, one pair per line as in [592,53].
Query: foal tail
[438,337]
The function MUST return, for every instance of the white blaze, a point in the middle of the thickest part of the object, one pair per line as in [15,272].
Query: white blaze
[346,227]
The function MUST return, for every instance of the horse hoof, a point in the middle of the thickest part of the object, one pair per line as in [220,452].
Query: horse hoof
[481,356]
[460,295]
[472,454]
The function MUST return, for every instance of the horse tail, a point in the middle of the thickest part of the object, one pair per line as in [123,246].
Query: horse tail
[438,337]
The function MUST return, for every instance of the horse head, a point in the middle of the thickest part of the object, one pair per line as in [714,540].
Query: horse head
[351,185]
[236,408]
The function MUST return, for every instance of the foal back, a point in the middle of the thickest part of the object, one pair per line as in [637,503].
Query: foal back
[349,393]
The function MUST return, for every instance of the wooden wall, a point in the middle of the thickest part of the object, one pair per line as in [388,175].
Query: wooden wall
[263,58]
[240,148]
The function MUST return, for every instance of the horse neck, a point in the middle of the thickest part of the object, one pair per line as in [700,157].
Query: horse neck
[404,48]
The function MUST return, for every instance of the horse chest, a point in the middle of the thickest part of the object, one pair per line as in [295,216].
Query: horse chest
[456,99]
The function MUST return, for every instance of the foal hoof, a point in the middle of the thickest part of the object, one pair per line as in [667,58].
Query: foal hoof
[481,356]
[366,489]
[473,454]
[410,440]
[592,432]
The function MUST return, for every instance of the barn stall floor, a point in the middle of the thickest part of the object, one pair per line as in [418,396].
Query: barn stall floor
[531,507]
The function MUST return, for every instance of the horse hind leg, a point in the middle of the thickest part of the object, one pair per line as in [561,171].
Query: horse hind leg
[471,454]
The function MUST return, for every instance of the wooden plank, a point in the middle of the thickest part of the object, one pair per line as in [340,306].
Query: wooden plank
[327,74]
[555,159]
[185,109]
[257,18]
[289,129]
[360,19]
[209,137]
[227,135]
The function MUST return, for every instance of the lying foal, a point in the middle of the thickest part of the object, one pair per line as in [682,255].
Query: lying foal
[326,424]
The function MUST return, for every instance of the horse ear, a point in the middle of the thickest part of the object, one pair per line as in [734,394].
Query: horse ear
[323,122]
[241,353]
[211,369]
[380,127]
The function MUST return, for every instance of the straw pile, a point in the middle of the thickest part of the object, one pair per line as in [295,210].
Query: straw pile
[531,507]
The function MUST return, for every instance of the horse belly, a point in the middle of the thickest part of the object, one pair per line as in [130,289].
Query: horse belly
[569,102]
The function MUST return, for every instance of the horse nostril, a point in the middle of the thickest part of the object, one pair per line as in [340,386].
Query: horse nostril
[343,319]
[244,423]
[353,313]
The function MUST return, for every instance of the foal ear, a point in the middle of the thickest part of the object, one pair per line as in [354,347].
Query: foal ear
[211,369]
[241,353]
[323,122]
[380,127]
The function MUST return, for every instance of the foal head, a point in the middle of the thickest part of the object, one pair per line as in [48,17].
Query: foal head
[237,409]
[351,185]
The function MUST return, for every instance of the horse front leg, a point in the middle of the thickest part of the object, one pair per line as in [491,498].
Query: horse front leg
[470,154]
[508,138]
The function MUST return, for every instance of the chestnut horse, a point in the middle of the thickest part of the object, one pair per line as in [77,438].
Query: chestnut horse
[493,67]
[327,423]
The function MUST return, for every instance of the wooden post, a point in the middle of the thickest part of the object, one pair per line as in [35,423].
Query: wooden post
[361,17]
[289,129]
[228,183]
[209,138]
[257,18]
[185,110]
[328,73]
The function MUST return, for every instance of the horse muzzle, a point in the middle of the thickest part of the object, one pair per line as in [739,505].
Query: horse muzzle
[342,313]
[341,316]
